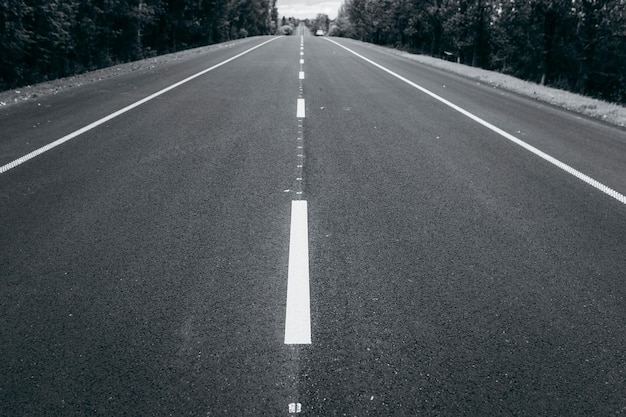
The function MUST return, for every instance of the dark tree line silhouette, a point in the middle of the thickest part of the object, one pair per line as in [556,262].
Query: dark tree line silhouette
[579,45]
[47,39]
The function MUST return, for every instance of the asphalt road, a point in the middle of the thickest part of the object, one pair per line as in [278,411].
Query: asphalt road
[144,263]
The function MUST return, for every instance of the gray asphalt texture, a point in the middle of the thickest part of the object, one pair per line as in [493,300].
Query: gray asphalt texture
[144,264]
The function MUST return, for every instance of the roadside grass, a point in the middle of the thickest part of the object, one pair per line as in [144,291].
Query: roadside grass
[608,112]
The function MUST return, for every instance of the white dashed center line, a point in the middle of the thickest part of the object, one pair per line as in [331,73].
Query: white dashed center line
[300,108]
[298,315]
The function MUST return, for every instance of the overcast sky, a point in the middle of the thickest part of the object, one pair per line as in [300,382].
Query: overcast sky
[303,9]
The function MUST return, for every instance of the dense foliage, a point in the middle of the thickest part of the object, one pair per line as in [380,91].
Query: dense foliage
[578,45]
[46,39]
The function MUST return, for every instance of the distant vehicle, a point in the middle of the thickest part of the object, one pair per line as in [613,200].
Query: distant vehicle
[319,32]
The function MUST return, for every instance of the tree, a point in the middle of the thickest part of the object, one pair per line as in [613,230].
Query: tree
[273,16]
[43,39]
[468,29]
[17,39]
[341,26]
[601,48]
[574,44]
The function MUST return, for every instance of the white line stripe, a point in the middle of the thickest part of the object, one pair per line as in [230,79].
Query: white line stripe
[105,119]
[301,75]
[583,177]
[298,312]
[300,108]
[302,61]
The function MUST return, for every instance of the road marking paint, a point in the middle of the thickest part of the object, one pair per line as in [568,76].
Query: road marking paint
[126,109]
[298,312]
[302,61]
[295,408]
[301,53]
[300,108]
[301,75]
[567,168]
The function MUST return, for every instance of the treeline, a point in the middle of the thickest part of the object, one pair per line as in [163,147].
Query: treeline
[47,39]
[578,45]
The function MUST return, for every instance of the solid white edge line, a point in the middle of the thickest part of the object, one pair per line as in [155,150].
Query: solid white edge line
[298,311]
[300,108]
[570,170]
[105,119]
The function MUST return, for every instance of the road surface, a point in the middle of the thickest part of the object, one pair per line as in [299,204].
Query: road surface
[435,266]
